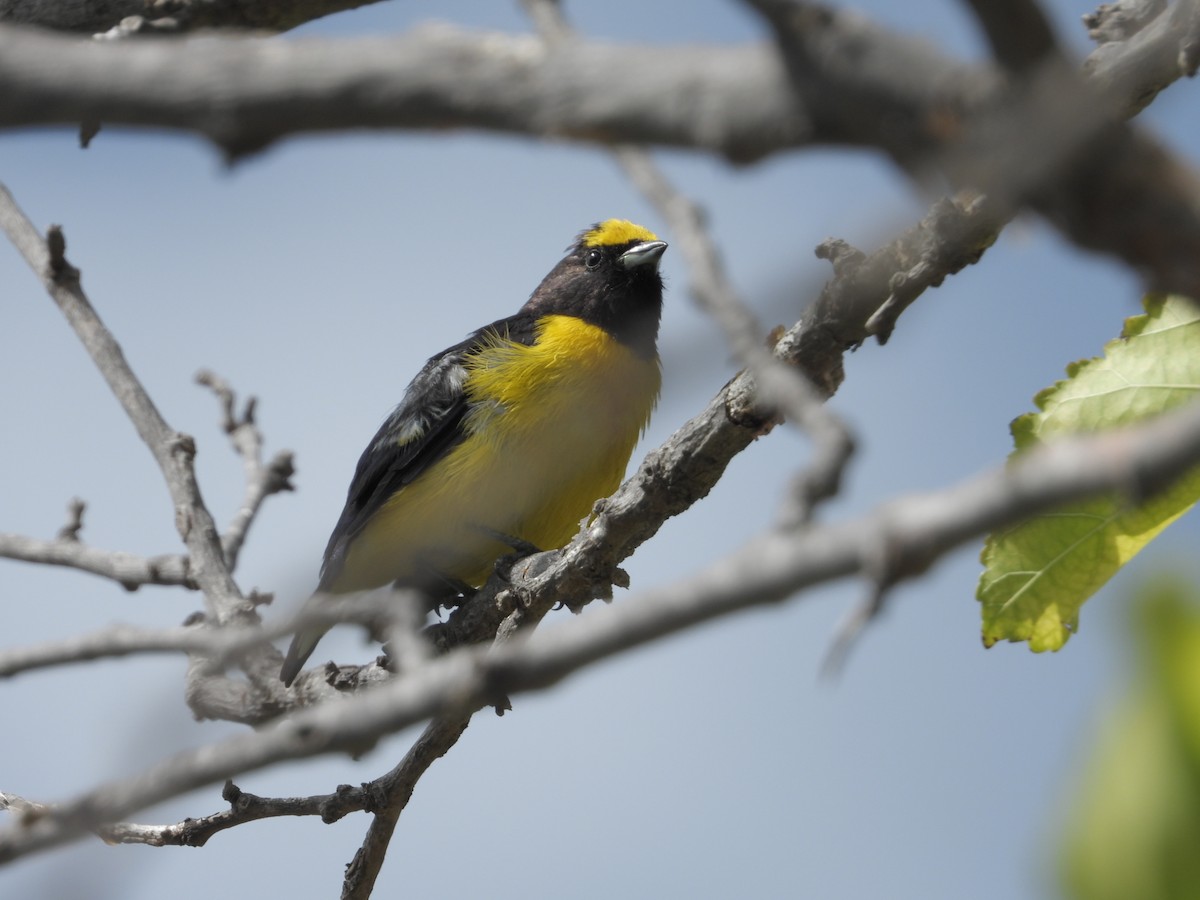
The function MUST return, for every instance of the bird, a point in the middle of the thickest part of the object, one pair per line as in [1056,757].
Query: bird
[506,440]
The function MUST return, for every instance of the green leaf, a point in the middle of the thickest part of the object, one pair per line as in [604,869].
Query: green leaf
[1134,825]
[1038,574]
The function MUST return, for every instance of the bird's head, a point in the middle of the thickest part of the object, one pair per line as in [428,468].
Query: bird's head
[609,278]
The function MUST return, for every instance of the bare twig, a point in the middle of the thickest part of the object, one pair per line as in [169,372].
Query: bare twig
[396,786]
[1114,22]
[548,19]
[395,790]
[18,804]
[855,622]
[129,570]
[218,647]
[868,292]
[172,451]
[243,808]
[261,481]
[74,525]
[116,640]
[133,571]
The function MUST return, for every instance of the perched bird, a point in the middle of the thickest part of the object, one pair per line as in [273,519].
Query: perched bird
[508,438]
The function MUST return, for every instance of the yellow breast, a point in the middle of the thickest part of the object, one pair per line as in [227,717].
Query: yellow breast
[550,431]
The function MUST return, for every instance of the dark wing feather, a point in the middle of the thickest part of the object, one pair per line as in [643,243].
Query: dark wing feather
[427,424]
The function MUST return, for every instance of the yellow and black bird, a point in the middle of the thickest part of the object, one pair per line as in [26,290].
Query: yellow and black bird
[508,438]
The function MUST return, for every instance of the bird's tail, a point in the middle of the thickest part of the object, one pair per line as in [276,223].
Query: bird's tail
[302,646]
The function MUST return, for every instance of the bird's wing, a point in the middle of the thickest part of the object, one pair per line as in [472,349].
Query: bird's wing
[425,426]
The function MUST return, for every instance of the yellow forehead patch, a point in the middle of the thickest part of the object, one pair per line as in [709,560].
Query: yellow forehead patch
[614,232]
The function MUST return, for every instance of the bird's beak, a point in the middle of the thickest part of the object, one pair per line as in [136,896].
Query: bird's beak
[643,254]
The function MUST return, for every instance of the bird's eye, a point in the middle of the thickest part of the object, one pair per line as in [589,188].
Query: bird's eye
[593,258]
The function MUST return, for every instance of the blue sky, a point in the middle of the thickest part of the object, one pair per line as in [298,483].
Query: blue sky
[319,276]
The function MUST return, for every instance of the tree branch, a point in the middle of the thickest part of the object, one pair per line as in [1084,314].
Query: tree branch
[841,87]
[396,788]
[219,648]
[859,84]
[90,16]
[133,571]
[1148,52]
[129,570]
[1018,31]
[1052,138]
[172,450]
[117,640]
[261,481]
[244,94]
[243,808]
[735,101]
[917,530]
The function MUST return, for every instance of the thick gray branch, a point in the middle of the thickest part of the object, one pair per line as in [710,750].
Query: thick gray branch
[1051,138]
[93,16]
[856,84]
[244,94]
[1018,31]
